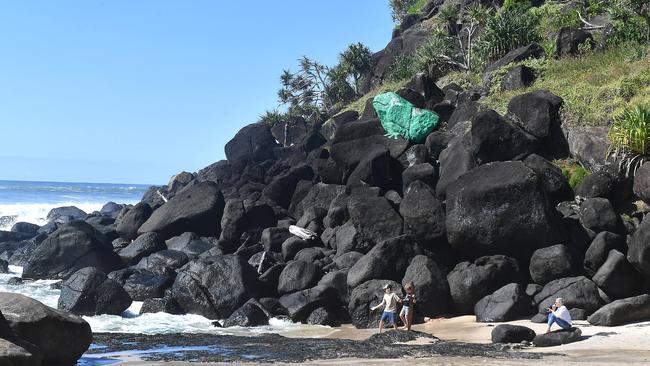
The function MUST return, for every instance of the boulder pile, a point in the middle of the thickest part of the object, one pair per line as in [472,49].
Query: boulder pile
[477,217]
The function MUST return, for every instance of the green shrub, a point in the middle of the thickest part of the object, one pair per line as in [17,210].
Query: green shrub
[431,57]
[504,32]
[416,7]
[272,117]
[631,130]
[573,171]
[402,68]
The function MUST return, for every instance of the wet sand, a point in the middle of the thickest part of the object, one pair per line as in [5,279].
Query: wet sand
[623,345]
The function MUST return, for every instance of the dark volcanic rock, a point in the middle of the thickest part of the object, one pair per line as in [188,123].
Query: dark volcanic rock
[339,281]
[156,305]
[639,248]
[569,39]
[519,77]
[599,249]
[532,50]
[62,338]
[507,333]
[431,287]
[163,261]
[597,214]
[144,245]
[423,213]
[617,277]
[299,305]
[134,218]
[215,287]
[11,354]
[251,314]
[619,312]
[365,296]
[505,304]
[642,182]
[537,112]
[455,160]
[496,139]
[424,172]
[550,263]
[252,144]
[554,183]
[197,209]
[89,292]
[142,284]
[25,227]
[72,247]
[63,215]
[558,337]
[273,237]
[281,189]
[297,276]
[374,220]
[577,292]
[597,184]
[497,208]
[469,282]
[388,259]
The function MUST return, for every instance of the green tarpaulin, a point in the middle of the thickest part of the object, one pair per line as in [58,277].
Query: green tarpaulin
[401,119]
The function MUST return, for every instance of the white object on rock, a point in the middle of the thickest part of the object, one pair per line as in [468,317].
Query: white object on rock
[303,234]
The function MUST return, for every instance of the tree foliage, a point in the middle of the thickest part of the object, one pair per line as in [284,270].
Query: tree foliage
[504,32]
[400,9]
[355,61]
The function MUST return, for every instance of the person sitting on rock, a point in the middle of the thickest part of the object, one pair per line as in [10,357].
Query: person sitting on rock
[390,308]
[408,302]
[559,315]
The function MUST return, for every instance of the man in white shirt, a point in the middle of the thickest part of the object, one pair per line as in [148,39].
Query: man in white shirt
[390,308]
[559,315]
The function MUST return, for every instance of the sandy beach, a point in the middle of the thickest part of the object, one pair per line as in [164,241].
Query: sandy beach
[626,344]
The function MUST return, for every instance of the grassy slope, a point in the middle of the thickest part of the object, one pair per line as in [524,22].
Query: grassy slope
[594,86]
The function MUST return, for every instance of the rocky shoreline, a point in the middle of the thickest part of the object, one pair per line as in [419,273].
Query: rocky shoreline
[274,348]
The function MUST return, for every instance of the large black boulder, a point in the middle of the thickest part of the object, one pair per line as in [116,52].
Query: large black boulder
[497,208]
[144,245]
[252,144]
[216,286]
[142,284]
[537,112]
[639,248]
[299,305]
[89,292]
[197,209]
[12,354]
[558,337]
[569,39]
[431,287]
[599,249]
[163,261]
[617,277]
[388,259]
[374,220]
[619,312]
[251,314]
[550,263]
[597,184]
[63,215]
[577,292]
[642,182]
[61,337]
[70,248]
[505,304]
[597,214]
[128,225]
[365,296]
[297,276]
[282,187]
[25,228]
[518,77]
[339,281]
[554,183]
[532,50]
[508,333]
[423,213]
[496,139]
[424,172]
[455,160]
[469,282]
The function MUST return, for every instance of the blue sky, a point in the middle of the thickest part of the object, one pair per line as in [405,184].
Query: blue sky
[136,91]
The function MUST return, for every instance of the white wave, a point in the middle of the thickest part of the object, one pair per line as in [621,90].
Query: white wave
[155,323]
[36,213]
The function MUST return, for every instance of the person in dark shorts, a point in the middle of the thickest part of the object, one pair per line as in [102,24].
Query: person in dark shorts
[389,302]
[408,303]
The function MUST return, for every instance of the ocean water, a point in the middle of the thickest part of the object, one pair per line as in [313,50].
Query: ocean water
[31,201]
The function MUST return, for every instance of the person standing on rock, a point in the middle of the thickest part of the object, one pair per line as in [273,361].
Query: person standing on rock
[558,314]
[390,308]
[408,303]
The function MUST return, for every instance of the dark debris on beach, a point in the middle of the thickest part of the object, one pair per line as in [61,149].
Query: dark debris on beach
[276,348]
